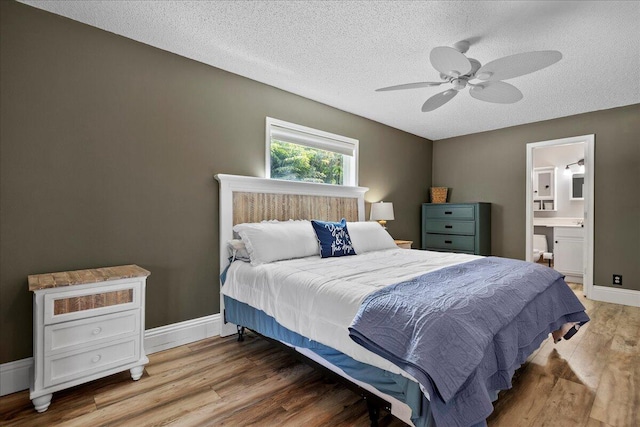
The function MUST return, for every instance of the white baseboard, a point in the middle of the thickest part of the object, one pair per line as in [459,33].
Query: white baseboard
[177,334]
[615,295]
[15,376]
[573,279]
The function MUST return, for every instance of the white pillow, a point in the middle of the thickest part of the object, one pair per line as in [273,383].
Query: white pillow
[369,236]
[275,241]
[238,250]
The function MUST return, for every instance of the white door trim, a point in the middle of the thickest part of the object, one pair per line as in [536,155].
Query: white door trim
[589,160]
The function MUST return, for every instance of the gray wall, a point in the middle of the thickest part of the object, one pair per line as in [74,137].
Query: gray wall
[108,149]
[490,167]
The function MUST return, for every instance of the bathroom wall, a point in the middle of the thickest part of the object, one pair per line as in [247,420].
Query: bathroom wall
[560,157]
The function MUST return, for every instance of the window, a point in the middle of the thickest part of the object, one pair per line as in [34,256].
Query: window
[299,153]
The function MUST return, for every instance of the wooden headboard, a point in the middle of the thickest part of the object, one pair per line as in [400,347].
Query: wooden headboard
[250,199]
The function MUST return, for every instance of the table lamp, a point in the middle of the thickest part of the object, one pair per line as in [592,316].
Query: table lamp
[382,212]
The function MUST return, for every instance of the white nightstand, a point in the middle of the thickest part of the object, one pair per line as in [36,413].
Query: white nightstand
[87,324]
[404,244]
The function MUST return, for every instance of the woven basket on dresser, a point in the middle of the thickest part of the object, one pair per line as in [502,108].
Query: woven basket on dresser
[439,194]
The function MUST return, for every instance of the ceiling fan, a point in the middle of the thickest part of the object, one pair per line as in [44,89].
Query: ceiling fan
[459,71]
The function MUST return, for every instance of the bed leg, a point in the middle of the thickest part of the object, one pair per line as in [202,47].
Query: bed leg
[240,333]
[374,413]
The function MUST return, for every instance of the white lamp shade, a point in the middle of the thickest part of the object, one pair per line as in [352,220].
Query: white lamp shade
[382,211]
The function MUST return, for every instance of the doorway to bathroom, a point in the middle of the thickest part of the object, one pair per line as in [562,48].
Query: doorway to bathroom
[559,207]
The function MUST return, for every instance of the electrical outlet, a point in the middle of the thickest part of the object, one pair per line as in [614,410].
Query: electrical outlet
[617,279]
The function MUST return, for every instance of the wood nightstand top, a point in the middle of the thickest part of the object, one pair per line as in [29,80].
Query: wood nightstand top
[81,277]
[404,244]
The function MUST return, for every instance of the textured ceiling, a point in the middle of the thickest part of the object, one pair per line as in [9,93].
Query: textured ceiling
[339,52]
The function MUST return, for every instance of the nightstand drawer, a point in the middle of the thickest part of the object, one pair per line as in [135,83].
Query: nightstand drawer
[92,301]
[451,227]
[454,243]
[65,336]
[449,212]
[69,366]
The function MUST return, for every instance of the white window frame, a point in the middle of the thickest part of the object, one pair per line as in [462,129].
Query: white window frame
[315,138]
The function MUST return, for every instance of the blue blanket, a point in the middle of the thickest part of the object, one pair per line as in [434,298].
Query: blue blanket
[462,331]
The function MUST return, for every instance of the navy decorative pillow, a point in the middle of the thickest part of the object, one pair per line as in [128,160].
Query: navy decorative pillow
[334,238]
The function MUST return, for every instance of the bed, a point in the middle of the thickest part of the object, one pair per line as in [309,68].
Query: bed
[365,317]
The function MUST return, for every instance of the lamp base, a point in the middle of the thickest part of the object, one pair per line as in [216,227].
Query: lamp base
[383,223]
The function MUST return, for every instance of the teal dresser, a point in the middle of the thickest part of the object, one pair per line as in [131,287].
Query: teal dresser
[457,227]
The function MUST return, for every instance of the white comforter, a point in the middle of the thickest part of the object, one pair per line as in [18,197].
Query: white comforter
[318,298]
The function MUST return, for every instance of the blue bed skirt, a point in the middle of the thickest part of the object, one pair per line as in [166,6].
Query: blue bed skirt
[394,385]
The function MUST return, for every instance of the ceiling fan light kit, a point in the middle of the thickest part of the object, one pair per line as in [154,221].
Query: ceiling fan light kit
[459,84]
[455,68]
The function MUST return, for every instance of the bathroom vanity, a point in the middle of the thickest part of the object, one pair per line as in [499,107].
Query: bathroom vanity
[567,245]
[568,252]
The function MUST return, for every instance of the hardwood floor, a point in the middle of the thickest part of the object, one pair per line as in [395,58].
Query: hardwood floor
[591,380]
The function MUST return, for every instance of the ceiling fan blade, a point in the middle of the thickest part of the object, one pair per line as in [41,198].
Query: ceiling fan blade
[438,100]
[518,65]
[498,92]
[449,61]
[409,86]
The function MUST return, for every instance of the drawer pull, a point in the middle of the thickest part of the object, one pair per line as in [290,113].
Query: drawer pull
[448,226]
[96,358]
[448,212]
[96,331]
[448,242]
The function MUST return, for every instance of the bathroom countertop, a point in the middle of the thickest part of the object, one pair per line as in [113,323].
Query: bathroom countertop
[558,222]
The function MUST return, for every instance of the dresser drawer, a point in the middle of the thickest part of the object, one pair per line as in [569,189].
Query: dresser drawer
[450,212]
[65,336]
[450,227]
[70,366]
[454,243]
[457,227]
[92,301]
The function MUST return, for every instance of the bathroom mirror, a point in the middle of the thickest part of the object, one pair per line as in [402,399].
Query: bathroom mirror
[577,186]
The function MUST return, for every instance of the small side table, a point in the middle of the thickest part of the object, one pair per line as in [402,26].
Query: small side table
[87,324]
[404,244]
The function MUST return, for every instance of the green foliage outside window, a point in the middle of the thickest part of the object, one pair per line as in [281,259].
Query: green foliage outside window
[299,163]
